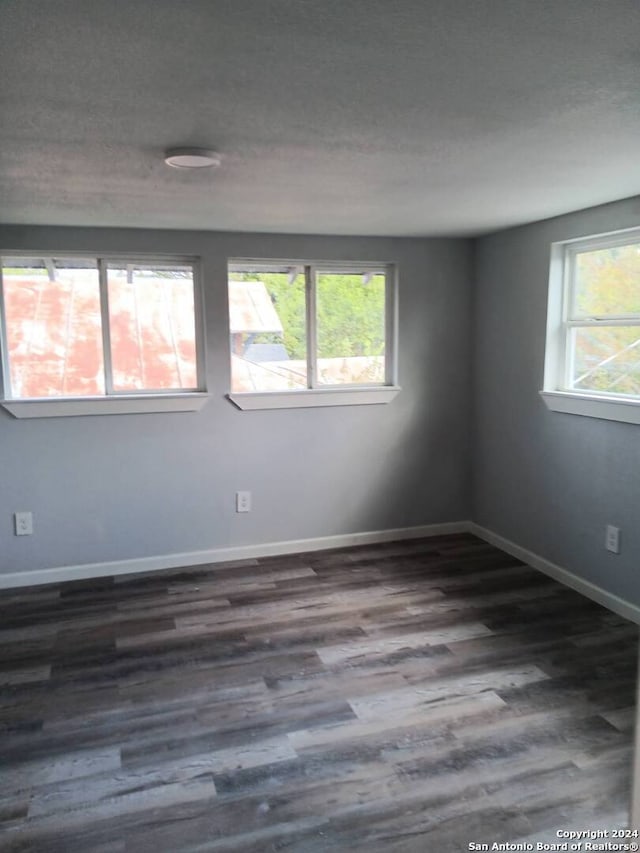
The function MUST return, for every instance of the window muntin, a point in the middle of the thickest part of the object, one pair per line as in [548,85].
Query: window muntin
[301,326]
[76,327]
[601,322]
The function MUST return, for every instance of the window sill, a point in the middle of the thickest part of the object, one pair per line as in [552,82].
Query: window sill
[626,410]
[125,405]
[312,398]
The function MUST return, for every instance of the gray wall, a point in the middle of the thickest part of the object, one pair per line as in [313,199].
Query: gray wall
[119,487]
[549,482]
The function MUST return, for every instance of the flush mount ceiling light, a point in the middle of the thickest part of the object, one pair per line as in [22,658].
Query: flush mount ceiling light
[191,158]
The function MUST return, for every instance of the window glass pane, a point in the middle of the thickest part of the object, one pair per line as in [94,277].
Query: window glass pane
[351,328]
[607,359]
[267,319]
[607,281]
[152,326]
[54,331]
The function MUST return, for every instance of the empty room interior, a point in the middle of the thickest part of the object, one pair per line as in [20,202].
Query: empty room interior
[319,425]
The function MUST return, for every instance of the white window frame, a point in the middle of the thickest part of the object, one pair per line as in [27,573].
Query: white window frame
[557,393]
[330,395]
[111,402]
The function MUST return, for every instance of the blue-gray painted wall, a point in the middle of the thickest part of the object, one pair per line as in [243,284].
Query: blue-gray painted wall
[125,486]
[468,437]
[549,482]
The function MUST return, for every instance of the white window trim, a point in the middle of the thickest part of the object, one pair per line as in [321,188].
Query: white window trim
[112,402]
[555,393]
[331,395]
[312,397]
[60,407]
[572,403]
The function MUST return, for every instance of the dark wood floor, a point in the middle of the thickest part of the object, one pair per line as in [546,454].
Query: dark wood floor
[414,696]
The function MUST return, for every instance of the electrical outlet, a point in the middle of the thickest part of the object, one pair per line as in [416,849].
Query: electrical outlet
[612,539]
[243,501]
[23,523]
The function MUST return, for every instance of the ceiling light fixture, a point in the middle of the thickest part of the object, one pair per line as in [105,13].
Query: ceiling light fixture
[191,158]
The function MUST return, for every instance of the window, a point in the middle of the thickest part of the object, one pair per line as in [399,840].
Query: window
[593,330]
[83,335]
[305,334]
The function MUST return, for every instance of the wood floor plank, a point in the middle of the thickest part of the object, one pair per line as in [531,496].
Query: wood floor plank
[407,697]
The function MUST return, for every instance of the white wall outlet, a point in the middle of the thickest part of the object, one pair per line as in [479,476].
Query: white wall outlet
[243,501]
[23,523]
[612,539]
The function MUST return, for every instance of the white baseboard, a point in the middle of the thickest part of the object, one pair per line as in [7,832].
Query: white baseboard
[564,576]
[323,543]
[221,555]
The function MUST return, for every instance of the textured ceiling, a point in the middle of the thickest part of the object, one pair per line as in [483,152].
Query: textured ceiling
[397,117]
